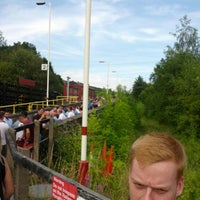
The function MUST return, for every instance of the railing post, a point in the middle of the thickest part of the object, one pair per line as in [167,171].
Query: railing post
[21,178]
[10,160]
[12,132]
[29,107]
[51,143]
[36,140]
[14,110]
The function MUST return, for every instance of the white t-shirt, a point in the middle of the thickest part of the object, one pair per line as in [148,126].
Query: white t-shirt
[62,116]
[71,114]
[19,134]
[3,128]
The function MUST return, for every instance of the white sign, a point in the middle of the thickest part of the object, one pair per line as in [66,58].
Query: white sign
[80,198]
[44,67]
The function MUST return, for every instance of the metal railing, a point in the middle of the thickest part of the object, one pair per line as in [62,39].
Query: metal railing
[23,166]
[69,99]
[60,100]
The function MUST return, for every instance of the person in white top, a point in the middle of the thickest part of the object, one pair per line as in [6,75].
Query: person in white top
[70,112]
[7,119]
[76,110]
[61,115]
[19,134]
[3,129]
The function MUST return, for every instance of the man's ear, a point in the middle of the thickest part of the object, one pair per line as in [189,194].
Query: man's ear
[180,186]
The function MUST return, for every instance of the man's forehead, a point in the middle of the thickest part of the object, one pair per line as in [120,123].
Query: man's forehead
[161,173]
[157,186]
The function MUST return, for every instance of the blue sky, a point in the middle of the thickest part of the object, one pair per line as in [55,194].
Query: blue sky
[129,35]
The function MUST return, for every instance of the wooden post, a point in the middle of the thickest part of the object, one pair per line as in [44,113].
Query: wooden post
[21,178]
[12,132]
[36,140]
[51,143]
[10,160]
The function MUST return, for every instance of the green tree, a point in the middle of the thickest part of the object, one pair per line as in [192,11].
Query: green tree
[188,90]
[173,96]
[187,39]
[2,40]
[138,86]
[23,60]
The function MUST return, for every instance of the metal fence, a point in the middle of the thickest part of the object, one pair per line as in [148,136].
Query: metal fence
[25,168]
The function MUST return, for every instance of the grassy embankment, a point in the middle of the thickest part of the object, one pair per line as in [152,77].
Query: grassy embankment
[115,186]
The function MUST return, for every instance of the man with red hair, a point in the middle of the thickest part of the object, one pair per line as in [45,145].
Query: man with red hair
[157,162]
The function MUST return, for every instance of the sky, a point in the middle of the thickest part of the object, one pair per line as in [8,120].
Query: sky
[128,36]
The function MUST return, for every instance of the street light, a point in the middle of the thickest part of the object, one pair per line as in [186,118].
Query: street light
[108,72]
[112,76]
[48,62]
[68,78]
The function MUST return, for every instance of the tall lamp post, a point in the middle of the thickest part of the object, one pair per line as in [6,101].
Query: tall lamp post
[68,78]
[115,72]
[108,73]
[48,62]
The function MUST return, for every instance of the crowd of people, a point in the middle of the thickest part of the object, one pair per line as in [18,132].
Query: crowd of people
[25,137]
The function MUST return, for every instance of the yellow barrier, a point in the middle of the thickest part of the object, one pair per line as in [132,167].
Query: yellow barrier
[69,99]
[60,100]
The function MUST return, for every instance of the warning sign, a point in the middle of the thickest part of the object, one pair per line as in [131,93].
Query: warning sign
[62,190]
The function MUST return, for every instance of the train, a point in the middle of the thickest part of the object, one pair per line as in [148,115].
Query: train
[76,89]
[26,91]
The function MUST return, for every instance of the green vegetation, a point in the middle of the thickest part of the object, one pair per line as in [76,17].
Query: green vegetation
[169,103]
[115,186]
[21,60]
[173,95]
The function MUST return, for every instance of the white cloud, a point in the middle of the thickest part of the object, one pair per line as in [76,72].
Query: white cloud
[163,10]
[130,35]
[150,31]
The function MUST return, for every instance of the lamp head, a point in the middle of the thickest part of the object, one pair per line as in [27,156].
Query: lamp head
[40,3]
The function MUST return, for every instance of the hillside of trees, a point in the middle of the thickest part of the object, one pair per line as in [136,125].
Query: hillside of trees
[23,60]
[173,94]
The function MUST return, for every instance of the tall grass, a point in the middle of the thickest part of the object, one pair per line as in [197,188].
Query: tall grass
[115,186]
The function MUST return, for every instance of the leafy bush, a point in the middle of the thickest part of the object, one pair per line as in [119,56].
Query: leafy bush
[192,173]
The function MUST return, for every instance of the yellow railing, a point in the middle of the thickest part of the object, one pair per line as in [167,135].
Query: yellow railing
[69,99]
[60,100]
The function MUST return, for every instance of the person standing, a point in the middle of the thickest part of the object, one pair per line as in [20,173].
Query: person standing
[3,130]
[28,134]
[7,119]
[61,115]
[39,114]
[157,163]
[70,112]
